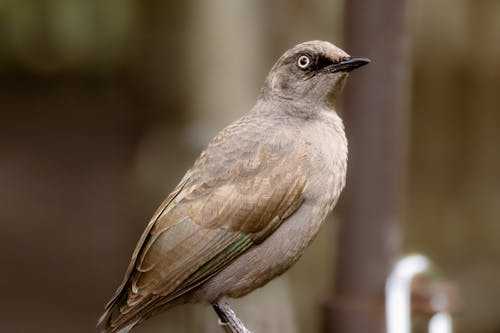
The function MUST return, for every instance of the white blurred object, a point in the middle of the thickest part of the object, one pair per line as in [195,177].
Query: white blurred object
[398,297]
[440,323]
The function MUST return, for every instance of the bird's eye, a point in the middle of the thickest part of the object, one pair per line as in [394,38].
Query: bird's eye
[304,61]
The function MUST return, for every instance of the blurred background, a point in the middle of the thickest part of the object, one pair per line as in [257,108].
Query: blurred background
[105,104]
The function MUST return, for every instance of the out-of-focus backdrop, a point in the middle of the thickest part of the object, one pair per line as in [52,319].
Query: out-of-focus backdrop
[104,105]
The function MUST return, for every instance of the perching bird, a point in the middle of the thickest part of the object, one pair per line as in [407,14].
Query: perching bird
[253,200]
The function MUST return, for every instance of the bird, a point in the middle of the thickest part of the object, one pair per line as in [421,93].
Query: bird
[252,201]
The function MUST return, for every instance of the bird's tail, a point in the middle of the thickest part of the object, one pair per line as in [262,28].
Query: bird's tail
[107,328]
[106,319]
[119,330]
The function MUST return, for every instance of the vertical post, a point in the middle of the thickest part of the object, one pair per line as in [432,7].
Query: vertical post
[375,113]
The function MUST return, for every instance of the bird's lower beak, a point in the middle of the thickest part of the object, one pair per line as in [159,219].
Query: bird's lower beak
[348,64]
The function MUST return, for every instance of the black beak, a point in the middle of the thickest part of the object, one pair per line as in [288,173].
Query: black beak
[348,64]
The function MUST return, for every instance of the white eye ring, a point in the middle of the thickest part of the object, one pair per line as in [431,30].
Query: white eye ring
[304,61]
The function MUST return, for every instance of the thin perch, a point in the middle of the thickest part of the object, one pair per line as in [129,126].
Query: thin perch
[228,319]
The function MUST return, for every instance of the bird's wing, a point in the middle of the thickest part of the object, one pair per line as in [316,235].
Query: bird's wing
[228,202]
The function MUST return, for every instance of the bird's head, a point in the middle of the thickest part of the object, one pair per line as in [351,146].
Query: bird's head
[310,72]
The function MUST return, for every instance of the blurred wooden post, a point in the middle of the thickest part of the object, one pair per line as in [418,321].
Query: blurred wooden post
[375,112]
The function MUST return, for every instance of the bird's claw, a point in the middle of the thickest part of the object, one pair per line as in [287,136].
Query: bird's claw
[221,323]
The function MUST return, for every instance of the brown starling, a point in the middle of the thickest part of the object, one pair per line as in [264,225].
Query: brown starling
[253,200]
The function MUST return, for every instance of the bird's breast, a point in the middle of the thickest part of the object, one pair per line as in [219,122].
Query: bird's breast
[327,159]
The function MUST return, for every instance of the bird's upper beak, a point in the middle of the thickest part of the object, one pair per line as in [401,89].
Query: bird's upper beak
[348,64]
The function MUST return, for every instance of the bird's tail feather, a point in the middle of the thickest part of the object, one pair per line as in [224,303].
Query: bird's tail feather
[119,330]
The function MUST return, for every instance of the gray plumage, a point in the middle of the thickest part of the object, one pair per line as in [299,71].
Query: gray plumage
[253,200]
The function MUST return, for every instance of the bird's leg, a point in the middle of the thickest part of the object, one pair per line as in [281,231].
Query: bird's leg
[228,319]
